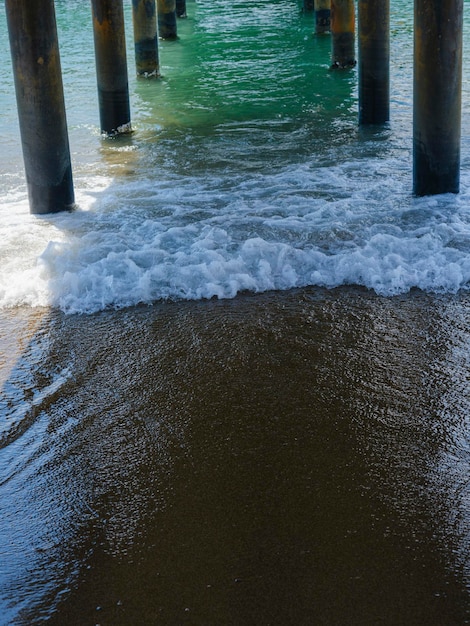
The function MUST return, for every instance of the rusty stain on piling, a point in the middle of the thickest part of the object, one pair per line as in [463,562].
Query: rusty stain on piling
[111,66]
[342,24]
[144,17]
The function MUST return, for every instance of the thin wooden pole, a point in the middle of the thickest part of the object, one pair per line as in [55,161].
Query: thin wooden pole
[374,61]
[41,108]
[144,19]
[437,96]
[343,29]
[111,66]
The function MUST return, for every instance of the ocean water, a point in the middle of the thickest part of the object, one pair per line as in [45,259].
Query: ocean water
[235,380]
[246,171]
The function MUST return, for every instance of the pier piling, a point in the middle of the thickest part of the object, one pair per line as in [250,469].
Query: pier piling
[144,19]
[437,96]
[111,66]
[40,100]
[166,10]
[374,61]
[180,8]
[322,16]
[343,29]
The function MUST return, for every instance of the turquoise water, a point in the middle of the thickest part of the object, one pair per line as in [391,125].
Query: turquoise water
[234,382]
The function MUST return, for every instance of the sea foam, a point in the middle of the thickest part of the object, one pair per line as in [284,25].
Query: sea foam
[136,242]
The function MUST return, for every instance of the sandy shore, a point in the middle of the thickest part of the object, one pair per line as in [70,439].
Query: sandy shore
[281,458]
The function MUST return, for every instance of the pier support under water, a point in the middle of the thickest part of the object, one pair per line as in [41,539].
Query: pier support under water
[437,96]
[40,100]
[180,8]
[166,10]
[374,61]
[343,29]
[322,16]
[111,66]
[144,19]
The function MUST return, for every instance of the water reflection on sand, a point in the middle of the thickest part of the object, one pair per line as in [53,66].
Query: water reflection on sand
[290,458]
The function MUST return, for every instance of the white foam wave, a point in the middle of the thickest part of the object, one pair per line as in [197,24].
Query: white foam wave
[132,243]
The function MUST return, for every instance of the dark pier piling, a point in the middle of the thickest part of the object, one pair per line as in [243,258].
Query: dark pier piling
[181,8]
[437,96]
[374,61]
[40,100]
[144,19]
[111,66]
[166,10]
[343,29]
[322,16]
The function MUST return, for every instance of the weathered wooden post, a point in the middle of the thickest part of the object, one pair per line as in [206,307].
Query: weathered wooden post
[180,8]
[144,18]
[437,96]
[322,16]
[111,66]
[343,28]
[166,10]
[374,61]
[41,108]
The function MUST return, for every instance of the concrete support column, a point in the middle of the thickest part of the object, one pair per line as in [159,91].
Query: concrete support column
[111,66]
[166,10]
[144,19]
[41,108]
[180,8]
[322,16]
[343,28]
[374,61]
[437,96]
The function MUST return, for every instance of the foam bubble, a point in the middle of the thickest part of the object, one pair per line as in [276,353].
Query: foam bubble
[282,236]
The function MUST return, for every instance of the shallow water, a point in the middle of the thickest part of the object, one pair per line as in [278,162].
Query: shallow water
[295,450]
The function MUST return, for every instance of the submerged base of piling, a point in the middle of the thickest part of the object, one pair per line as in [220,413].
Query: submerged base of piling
[322,21]
[111,66]
[166,16]
[374,61]
[437,96]
[343,55]
[41,107]
[343,34]
[52,198]
[144,19]
[181,8]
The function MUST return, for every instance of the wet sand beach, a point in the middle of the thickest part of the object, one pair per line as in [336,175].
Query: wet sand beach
[299,457]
